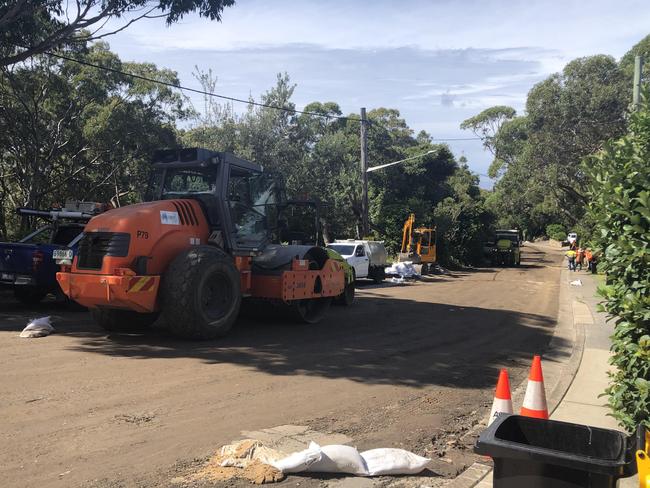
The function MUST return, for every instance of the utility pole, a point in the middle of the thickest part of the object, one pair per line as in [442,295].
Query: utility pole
[636,90]
[365,230]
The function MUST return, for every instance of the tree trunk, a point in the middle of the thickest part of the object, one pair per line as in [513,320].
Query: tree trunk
[3,223]
[325,230]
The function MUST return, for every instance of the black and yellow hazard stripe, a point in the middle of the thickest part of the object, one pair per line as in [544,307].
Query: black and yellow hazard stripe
[141,283]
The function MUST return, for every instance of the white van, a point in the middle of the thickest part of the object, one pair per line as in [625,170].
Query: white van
[368,258]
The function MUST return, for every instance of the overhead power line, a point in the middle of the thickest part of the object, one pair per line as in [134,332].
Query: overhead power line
[458,139]
[201,92]
[374,125]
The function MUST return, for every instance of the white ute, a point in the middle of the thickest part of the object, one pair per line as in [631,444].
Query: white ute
[572,237]
[368,258]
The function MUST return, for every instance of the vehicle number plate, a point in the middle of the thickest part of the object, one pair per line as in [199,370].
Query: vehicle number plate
[61,254]
[7,277]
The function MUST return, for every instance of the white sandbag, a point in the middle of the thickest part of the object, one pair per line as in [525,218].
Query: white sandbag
[337,458]
[393,461]
[38,328]
[299,461]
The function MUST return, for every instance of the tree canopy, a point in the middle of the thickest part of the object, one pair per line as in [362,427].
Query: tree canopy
[319,160]
[537,155]
[29,27]
[71,131]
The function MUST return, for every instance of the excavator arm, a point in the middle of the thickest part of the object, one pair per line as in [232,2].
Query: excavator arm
[407,232]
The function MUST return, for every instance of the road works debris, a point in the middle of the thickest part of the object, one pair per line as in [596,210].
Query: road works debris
[248,459]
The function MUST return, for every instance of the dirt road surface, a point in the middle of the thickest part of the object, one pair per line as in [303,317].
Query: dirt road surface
[402,366]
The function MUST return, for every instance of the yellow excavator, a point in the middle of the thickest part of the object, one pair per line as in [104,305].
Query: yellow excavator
[418,246]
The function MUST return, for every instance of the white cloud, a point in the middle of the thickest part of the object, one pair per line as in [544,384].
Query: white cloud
[573,27]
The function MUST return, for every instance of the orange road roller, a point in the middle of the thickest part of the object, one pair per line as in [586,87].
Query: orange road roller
[202,243]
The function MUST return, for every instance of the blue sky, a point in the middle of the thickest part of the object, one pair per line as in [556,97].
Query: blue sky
[438,62]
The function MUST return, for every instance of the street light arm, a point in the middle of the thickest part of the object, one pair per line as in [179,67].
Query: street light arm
[375,168]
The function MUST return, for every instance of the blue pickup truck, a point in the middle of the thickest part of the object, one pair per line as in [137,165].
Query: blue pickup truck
[29,266]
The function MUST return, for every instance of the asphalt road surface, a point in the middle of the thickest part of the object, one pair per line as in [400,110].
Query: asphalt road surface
[409,366]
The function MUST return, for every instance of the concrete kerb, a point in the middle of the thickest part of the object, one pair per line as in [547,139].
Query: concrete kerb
[561,362]
[570,329]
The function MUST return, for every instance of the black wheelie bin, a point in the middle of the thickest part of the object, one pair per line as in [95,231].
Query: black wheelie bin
[536,453]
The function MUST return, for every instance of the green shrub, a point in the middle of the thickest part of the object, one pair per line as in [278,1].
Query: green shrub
[556,231]
[620,205]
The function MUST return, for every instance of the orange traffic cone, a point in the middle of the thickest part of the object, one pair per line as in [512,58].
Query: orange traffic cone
[502,399]
[535,398]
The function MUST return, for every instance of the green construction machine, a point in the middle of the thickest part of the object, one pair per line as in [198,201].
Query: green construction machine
[505,250]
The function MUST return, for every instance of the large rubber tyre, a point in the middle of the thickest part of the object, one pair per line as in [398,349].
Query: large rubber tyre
[309,310]
[29,295]
[378,275]
[114,320]
[201,294]
[347,297]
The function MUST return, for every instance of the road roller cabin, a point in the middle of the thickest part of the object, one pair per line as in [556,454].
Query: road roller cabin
[204,242]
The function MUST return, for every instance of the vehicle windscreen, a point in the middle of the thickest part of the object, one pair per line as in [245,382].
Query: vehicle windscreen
[66,234]
[253,202]
[189,181]
[40,236]
[342,249]
[509,237]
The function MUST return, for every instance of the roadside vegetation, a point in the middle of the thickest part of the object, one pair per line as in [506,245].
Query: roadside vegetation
[619,191]
[541,184]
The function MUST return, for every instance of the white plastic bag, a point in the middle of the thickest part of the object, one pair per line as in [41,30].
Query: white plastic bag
[407,270]
[337,458]
[403,270]
[38,328]
[299,461]
[393,461]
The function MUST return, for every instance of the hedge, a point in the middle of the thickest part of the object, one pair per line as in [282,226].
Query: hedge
[620,204]
[556,231]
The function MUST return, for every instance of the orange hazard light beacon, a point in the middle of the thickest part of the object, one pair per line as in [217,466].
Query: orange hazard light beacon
[203,241]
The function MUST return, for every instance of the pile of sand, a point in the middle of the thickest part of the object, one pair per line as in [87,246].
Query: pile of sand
[255,472]
[248,459]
